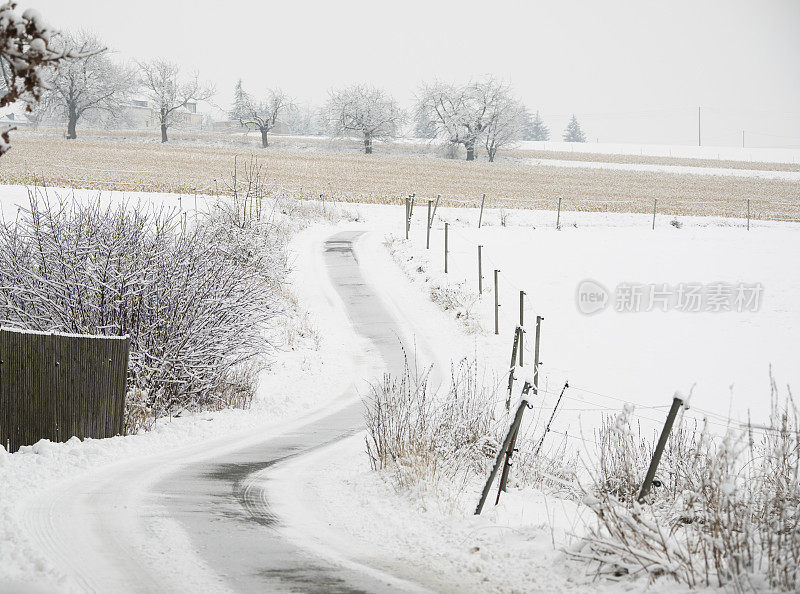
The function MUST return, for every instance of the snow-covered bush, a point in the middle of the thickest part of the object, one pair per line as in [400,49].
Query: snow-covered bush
[419,436]
[727,512]
[195,297]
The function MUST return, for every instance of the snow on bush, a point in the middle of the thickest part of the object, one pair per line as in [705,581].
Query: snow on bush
[195,297]
[726,513]
[419,436]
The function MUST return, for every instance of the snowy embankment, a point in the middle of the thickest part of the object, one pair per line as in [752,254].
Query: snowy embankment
[315,331]
[341,508]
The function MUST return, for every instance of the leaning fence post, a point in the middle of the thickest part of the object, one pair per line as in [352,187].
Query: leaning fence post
[512,430]
[428,237]
[411,210]
[446,227]
[558,216]
[480,218]
[521,324]
[509,451]
[480,271]
[662,443]
[655,202]
[496,305]
[435,206]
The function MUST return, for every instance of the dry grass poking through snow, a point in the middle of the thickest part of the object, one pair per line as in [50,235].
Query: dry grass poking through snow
[385,179]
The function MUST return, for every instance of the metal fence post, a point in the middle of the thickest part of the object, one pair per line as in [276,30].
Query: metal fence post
[655,202]
[496,305]
[480,218]
[521,325]
[501,453]
[662,442]
[480,271]
[558,216]
[536,354]
[446,227]
[407,216]
[428,237]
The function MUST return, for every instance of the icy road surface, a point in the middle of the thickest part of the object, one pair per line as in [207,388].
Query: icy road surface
[117,531]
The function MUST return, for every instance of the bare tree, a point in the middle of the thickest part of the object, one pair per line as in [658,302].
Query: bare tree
[261,115]
[366,110]
[506,122]
[169,93]
[24,52]
[463,114]
[92,83]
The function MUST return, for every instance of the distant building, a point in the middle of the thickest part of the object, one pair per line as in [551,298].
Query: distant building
[142,114]
[20,120]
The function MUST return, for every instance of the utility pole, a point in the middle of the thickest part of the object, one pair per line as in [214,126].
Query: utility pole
[699,143]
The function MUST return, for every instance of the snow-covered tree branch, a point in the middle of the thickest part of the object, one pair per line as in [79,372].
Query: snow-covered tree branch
[24,52]
[365,110]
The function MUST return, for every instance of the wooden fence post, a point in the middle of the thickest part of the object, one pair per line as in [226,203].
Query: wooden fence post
[662,442]
[496,305]
[480,271]
[501,453]
[480,218]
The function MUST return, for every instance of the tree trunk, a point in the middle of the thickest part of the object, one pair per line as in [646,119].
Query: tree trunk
[367,144]
[163,133]
[264,143]
[72,123]
[470,146]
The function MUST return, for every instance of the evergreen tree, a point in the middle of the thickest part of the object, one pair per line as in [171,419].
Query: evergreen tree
[573,133]
[535,128]
[239,102]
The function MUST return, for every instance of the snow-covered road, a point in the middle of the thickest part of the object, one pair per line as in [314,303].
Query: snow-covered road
[198,518]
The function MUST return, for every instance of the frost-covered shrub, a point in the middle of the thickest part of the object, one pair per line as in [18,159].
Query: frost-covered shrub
[418,435]
[194,296]
[727,512]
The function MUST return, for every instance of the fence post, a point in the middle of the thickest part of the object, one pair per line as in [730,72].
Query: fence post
[521,325]
[446,227]
[536,355]
[496,305]
[428,237]
[411,210]
[512,430]
[662,442]
[748,214]
[480,271]
[509,451]
[655,201]
[435,206]
[558,216]
[480,218]
[407,216]
[512,368]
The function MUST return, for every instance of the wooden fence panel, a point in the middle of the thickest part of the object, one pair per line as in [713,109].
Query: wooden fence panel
[54,386]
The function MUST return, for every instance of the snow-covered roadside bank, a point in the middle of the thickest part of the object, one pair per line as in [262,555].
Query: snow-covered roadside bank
[303,383]
[359,517]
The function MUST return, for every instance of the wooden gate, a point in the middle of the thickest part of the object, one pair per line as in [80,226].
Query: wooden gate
[55,386]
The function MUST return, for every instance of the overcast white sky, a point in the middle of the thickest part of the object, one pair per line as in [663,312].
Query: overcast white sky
[631,71]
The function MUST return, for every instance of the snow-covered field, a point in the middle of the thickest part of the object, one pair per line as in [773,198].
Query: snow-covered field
[335,505]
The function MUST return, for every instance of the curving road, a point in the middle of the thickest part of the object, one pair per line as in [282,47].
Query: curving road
[110,533]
